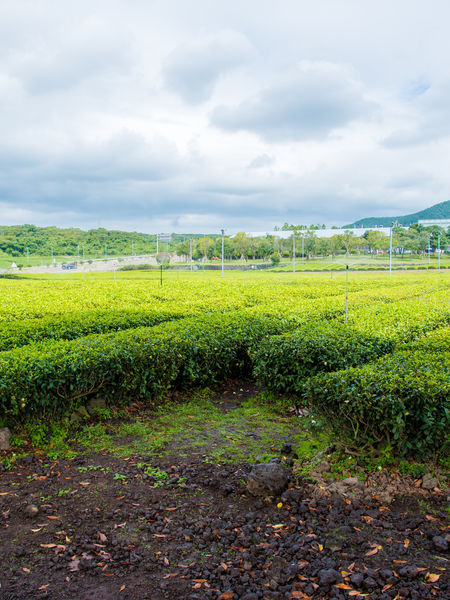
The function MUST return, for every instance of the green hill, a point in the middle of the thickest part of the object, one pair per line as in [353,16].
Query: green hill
[437,211]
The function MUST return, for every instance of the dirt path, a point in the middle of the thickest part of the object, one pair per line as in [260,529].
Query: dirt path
[176,522]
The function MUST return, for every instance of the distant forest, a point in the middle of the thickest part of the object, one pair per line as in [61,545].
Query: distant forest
[19,240]
[45,241]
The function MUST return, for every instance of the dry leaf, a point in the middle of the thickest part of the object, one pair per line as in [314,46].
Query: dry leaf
[25,570]
[227,596]
[343,586]
[48,545]
[44,586]
[102,537]
[406,544]
[122,588]
[432,577]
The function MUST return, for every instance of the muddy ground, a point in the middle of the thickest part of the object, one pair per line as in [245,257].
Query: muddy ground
[178,522]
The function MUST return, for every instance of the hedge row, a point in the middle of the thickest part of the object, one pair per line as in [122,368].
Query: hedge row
[400,400]
[282,363]
[70,326]
[143,362]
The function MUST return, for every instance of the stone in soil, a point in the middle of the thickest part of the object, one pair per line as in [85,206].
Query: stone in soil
[5,436]
[268,479]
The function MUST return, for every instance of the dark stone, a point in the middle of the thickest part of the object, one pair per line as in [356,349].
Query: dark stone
[440,543]
[267,479]
[329,577]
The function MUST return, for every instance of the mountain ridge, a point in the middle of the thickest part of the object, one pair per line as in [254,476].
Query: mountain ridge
[437,211]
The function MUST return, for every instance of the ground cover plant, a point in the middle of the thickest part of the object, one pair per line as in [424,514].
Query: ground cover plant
[140,483]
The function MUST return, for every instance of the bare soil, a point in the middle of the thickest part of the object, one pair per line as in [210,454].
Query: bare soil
[110,528]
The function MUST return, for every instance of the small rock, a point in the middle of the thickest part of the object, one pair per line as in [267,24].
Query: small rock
[323,467]
[329,576]
[429,482]
[440,543]
[5,436]
[353,482]
[31,510]
[267,479]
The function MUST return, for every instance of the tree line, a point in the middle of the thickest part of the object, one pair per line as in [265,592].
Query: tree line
[415,240]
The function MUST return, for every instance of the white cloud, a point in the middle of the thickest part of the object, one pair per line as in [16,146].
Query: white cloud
[203,115]
[193,68]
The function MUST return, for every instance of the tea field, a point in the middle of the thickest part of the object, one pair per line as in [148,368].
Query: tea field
[373,363]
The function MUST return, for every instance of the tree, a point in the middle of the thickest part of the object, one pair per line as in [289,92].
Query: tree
[205,245]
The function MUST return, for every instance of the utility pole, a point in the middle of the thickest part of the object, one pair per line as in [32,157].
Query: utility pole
[83,252]
[132,248]
[346,296]
[293,251]
[106,252]
[78,252]
[429,242]
[157,243]
[28,256]
[223,231]
[190,252]
[390,250]
[439,252]
[51,248]
[303,247]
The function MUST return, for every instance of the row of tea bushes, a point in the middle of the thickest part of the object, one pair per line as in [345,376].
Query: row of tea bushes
[401,401]
[282,363]
[144,362]
[70,326]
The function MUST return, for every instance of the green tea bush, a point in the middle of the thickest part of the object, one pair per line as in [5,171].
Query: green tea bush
[73,325]
[400,400]
[282,363]
[139,363]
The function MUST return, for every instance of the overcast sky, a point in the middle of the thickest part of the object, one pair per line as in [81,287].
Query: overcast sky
[193,115]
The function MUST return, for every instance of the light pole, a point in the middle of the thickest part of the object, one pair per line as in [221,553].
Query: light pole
[439,252]
[390,250]
[293,251]
[222,231]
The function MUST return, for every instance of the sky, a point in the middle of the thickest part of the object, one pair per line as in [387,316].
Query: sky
[193,116]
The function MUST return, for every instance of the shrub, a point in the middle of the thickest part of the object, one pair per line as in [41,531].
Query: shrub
[282,363]
[401,400]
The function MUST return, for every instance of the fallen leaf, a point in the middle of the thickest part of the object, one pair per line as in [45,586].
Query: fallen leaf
[102,537]
[372,552]
[48,545]
[170,575]
[387,587]
[432,577]
[122,588]
[227,596]
[343,586]
[25,570]
[44,586]
[406,544]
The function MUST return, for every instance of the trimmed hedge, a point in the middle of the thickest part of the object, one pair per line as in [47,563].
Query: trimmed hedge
[400,400]
[70,326]
[52,376]
[282,363]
